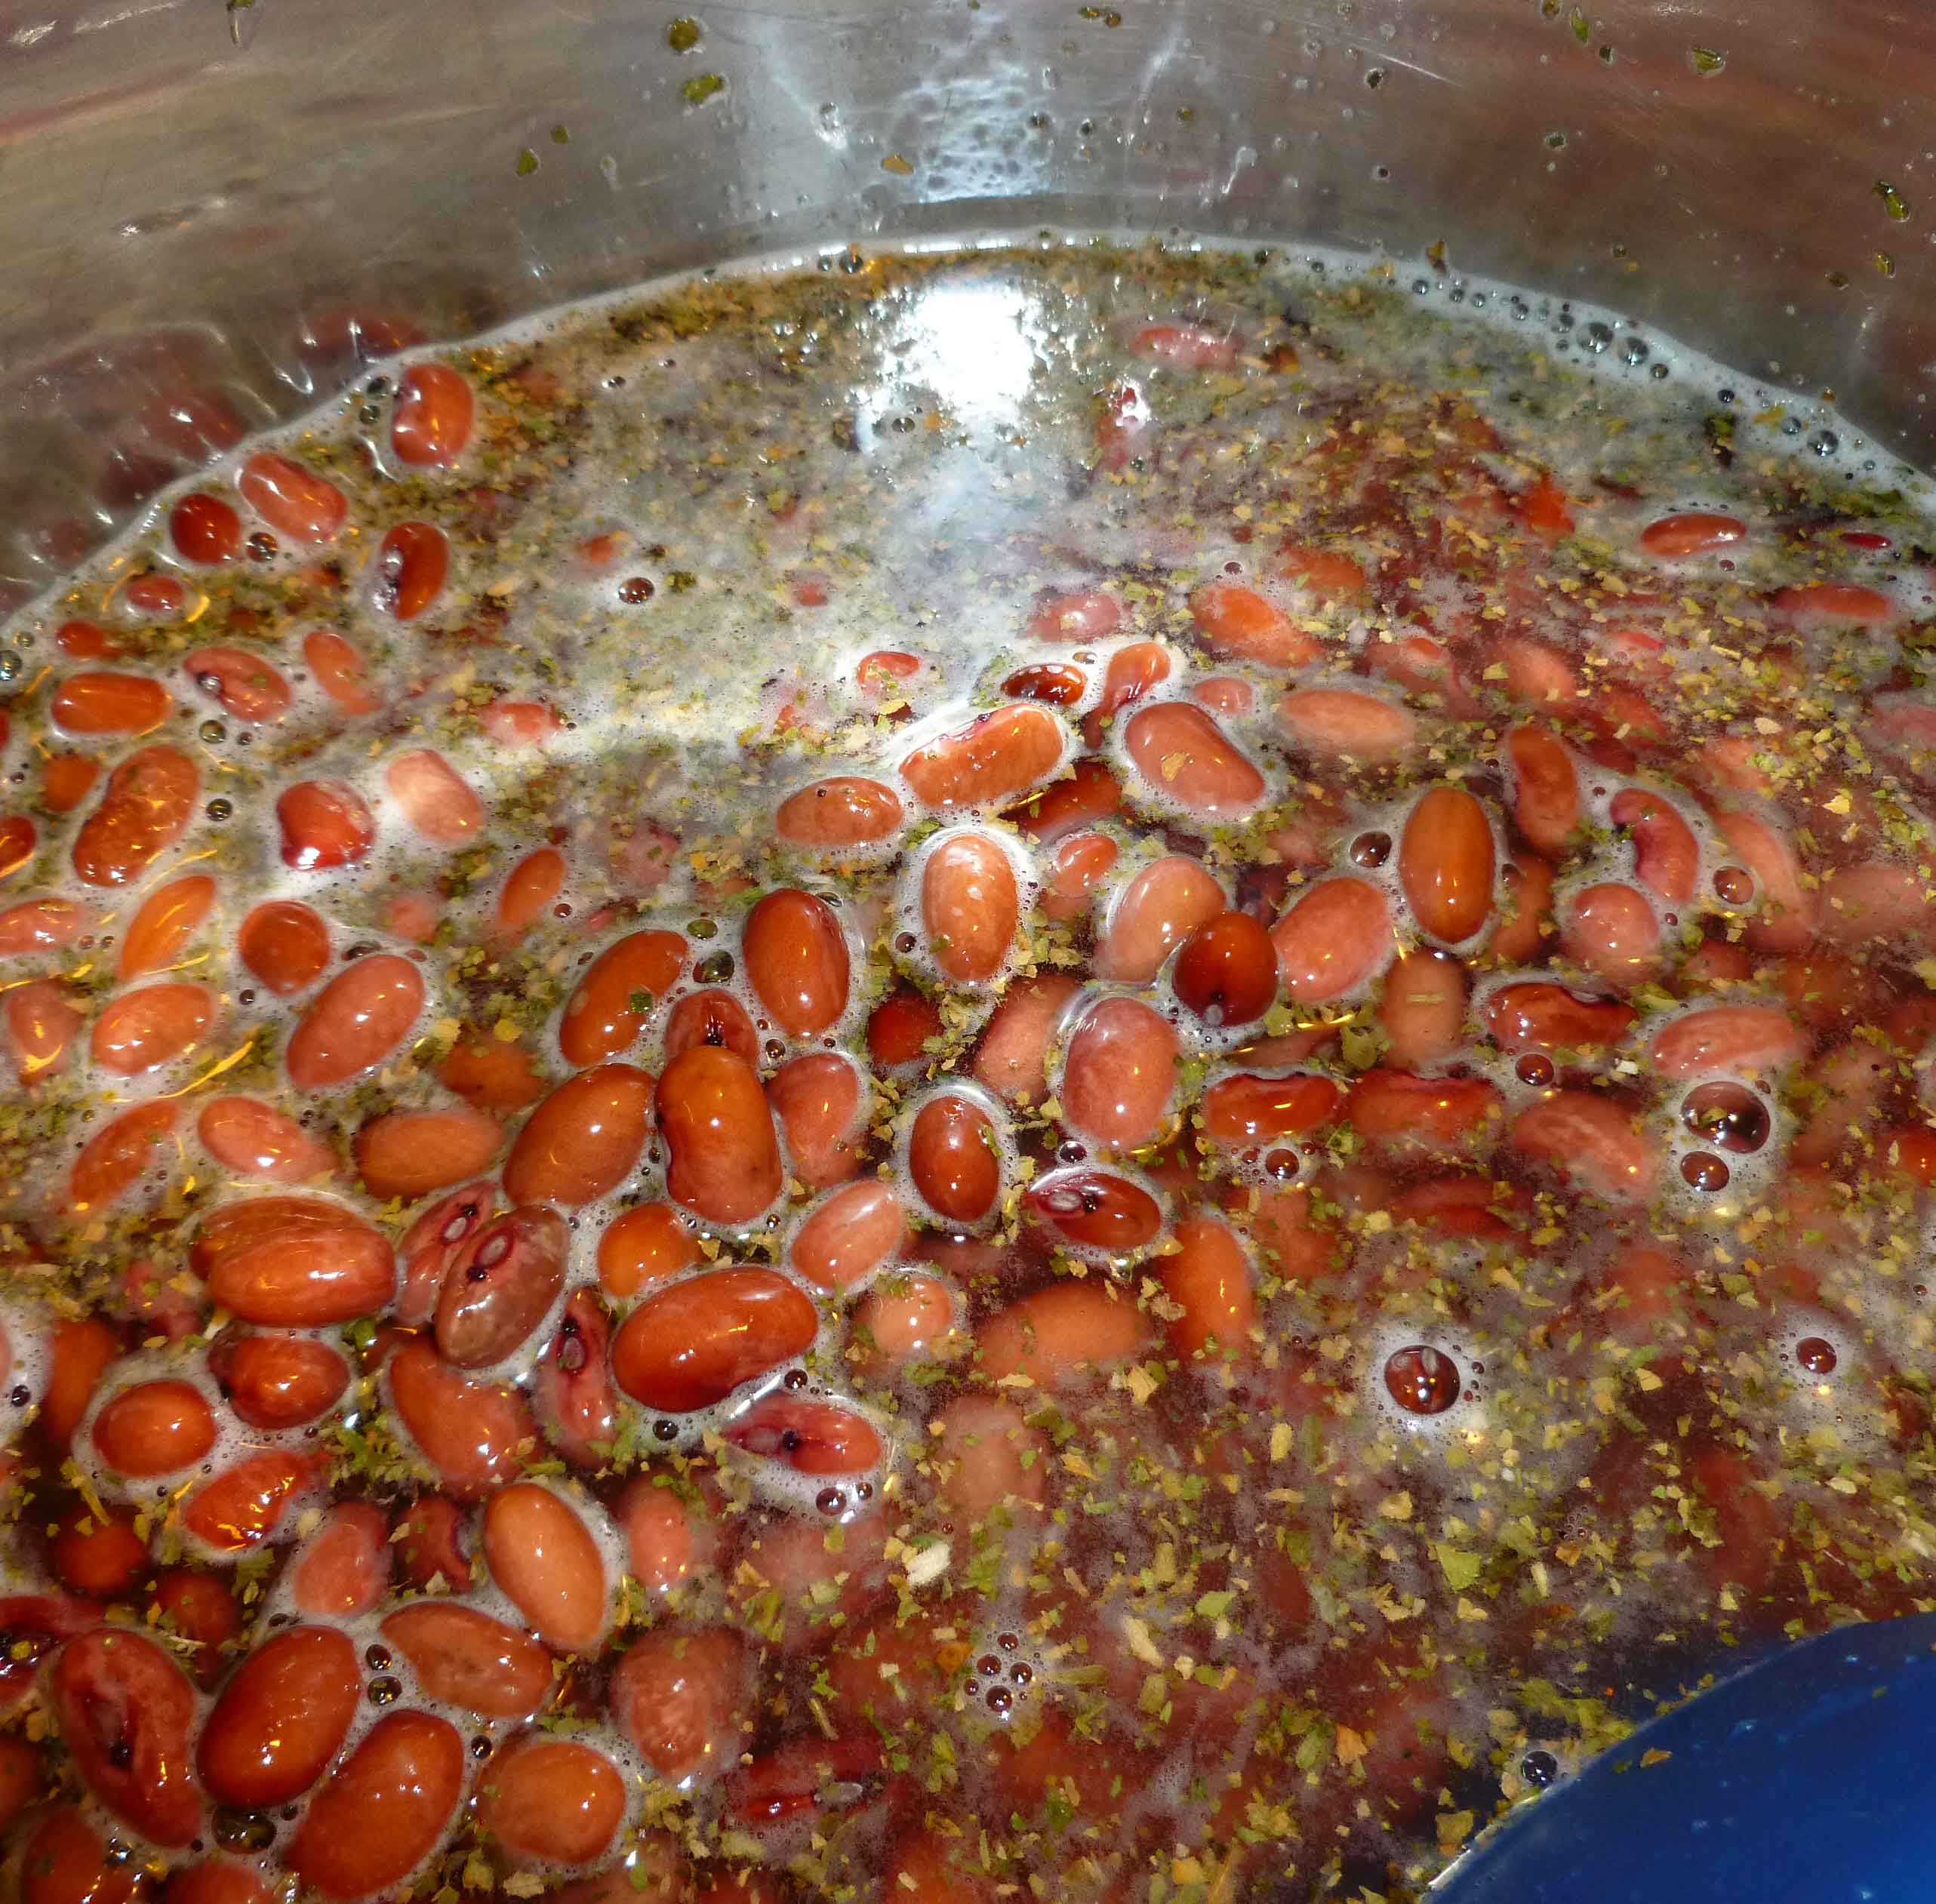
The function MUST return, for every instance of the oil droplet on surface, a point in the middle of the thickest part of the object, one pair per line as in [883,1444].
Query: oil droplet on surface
[1815,1355]
[1728,1116]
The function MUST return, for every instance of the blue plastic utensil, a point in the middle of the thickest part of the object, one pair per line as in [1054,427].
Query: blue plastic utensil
[1809,1776]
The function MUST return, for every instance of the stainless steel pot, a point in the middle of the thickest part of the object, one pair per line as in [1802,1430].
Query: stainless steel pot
[209,212]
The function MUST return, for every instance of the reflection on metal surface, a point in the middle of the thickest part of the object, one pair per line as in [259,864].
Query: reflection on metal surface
[351,170]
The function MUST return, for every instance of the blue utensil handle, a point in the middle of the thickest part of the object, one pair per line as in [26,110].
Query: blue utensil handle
[1809,1776]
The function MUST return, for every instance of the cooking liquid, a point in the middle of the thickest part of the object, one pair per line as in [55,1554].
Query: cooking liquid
[1073,1073]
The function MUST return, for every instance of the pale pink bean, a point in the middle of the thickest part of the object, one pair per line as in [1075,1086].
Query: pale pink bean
[1729,1038]
[1183,756]
[1666,856]
[1333,940]
[1611,929]
[1423,1009]
[1787,919]
[1336,721]
[1591,1139]
[1875,900]
[1120,1070]
[250,1139]
[1159,908]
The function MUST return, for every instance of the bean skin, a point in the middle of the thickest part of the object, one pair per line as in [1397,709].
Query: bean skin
[292,1261]
[127,1716]
[679,1696]
[952,1157]
[501,1286]
[1061,1335]
[990,762]
[582,1141]
[470,1433]
[469,1659]
[602,1017]
[970,907]
[551,1801]
[1118,1074]
[1445,862]
[1183,756]
[849,1235]
[355,1022]
[1158,909]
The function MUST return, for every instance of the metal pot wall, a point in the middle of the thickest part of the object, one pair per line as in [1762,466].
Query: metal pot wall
[211,212]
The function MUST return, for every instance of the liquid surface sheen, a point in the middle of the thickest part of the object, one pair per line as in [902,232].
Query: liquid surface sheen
[1076,1074]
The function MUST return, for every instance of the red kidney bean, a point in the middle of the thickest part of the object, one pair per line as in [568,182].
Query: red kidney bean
[1396,1111]
[724,1159]
[343,1568]
[1729,1038]
[1247,1108]
[121,1151]
[849,1234]
[246,684]
[220,1880]
[127,1716]
[152,1026]
[845,810]
[304,507]
[501,1286]
[817,1101]
[251,1139]
[1785,921]
[432,419]
[1693,532]
[1061,1334]
[693,1344]
[466,1658]
[603,1017]
[18,837]
[65,1861]
[529,888]
[1590,1138]
[1423,1010]
[1076,868]
[1227,971]
[1446,863]
[1118,1074]
[42,1027]
[1333,940]
[341,672]
[293,1262]
[1210,1279]
[811,1437]
[903,1318]
[1184,756]
[645,1245]
[1158,909]
[355,1022]
[1087,615]
[79,1349]
[971,906]
[572,1388]
[1059,683]
[1537,1016]
[384,1808]
[163,925]
[796,961]
[712,1017]
[244,1504]
[1095,1209]
[324,824]
[992,760]
[1237,624]
[1088,792]
[1666,857]
[146,806]
[471,1432]
[275,1381]
[553,1802]
[1013,1053]
[953,1159]
[406,1154]
[1546,789]
[42,925]
[1611,930]
[1343,723]
[546,1563]
[437,802]
[680,1696]
[154,1428]
[413,561]
[205,529]
[281,1718]
[583,1140]
[103,1557]
[100,701]
[284,945]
